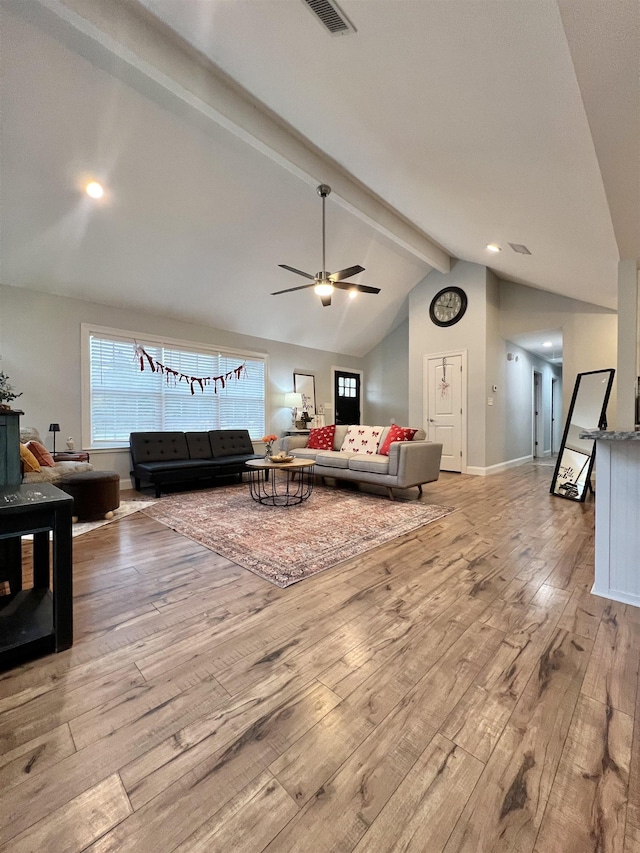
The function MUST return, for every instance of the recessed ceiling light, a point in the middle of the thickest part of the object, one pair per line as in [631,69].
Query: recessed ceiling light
[520,248]
[547,344]
[493,247]
[353,294]
[94,189]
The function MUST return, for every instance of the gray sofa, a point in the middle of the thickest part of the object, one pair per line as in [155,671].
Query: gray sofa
[409,463]
[47,474]
[169,458]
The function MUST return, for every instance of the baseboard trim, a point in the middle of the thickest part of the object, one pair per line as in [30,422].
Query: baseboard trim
[499,468]
[613,595]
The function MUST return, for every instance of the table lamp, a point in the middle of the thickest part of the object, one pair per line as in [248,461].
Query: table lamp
[293,400]
[54,428]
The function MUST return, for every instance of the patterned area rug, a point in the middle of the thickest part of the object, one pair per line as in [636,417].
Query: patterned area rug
[125,509]
[286,545]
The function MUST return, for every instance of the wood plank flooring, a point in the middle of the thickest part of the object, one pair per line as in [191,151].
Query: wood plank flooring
[457,689]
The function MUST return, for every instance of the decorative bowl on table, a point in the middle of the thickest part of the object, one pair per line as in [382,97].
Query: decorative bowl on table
[281,458]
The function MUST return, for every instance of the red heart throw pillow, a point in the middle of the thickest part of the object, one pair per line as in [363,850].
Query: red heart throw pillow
[321,438]
[396,433]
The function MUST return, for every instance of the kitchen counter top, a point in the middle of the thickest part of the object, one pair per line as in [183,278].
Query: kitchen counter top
[611,435]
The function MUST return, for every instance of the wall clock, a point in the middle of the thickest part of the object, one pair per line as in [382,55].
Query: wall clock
[448,306]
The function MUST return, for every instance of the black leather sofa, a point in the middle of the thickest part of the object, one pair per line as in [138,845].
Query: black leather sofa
[167,458]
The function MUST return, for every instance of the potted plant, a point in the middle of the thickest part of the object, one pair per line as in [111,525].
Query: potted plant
[6,392]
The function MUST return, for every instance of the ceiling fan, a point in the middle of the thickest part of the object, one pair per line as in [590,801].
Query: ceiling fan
[323,282]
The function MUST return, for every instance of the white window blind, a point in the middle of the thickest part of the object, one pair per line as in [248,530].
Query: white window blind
[124,399]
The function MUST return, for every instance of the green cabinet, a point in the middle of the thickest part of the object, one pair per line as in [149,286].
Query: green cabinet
[10,473]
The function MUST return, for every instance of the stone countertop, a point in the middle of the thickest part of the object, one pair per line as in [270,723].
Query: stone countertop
[611,435]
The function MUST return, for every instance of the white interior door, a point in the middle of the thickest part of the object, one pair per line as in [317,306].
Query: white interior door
[444,378]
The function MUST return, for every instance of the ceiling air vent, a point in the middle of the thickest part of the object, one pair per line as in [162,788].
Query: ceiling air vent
[330,16]
[520,249]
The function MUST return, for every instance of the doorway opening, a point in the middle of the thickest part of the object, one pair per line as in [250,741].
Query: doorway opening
[556,415]
[538,426]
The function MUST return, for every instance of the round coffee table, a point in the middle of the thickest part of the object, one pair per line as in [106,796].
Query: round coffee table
[267,487]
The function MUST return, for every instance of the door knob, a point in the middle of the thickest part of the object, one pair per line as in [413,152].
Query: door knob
[431,421]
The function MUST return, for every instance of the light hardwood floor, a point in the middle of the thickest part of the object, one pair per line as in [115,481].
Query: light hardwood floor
[457,689]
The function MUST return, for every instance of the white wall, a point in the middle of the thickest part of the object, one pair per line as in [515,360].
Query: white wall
[41,354]
[502,432]
[497,413]
[387,379]
[469,333]
[40,351]
[589,333]
[518,391]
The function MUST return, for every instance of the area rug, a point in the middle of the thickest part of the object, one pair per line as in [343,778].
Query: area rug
[287,545]
[126,508]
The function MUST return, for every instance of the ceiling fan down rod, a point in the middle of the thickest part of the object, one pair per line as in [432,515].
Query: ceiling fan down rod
[323,190]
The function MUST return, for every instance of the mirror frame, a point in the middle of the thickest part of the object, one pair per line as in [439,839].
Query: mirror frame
[305,384]
[581,492]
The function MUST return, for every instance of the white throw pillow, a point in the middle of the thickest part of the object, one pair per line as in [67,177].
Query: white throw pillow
[362,439]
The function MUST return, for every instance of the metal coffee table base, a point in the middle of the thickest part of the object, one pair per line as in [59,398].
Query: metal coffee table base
[288,486]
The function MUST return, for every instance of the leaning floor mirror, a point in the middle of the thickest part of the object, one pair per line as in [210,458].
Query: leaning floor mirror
[588,411]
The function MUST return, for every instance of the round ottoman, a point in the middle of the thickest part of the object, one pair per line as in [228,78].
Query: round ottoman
[95,493]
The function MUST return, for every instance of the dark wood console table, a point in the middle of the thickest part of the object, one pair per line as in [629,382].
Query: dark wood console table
[40,620]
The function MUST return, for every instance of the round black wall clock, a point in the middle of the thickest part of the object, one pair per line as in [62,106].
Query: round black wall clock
[448,306]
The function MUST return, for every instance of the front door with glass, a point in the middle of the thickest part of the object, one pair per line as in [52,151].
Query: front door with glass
[347,397]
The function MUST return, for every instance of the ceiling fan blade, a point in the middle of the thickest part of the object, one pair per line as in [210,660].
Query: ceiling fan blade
[326,300]
[299,272]
[291,289]
[338,276]
[361,288]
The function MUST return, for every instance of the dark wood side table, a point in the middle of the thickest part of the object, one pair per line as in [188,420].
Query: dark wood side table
[35,621]
[70,456]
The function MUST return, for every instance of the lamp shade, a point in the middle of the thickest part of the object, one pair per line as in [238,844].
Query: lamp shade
[293,400]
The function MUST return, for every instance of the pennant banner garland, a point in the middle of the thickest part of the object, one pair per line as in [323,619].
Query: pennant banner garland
[175,376]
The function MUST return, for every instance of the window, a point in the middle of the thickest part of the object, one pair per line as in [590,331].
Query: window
[346,386]
[120,398]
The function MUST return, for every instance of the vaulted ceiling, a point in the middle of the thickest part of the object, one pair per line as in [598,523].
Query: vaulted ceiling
[441,127]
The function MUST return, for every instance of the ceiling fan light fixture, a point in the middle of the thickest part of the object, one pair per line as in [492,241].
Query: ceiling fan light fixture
[323,288]
[323,282]
[94,189]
